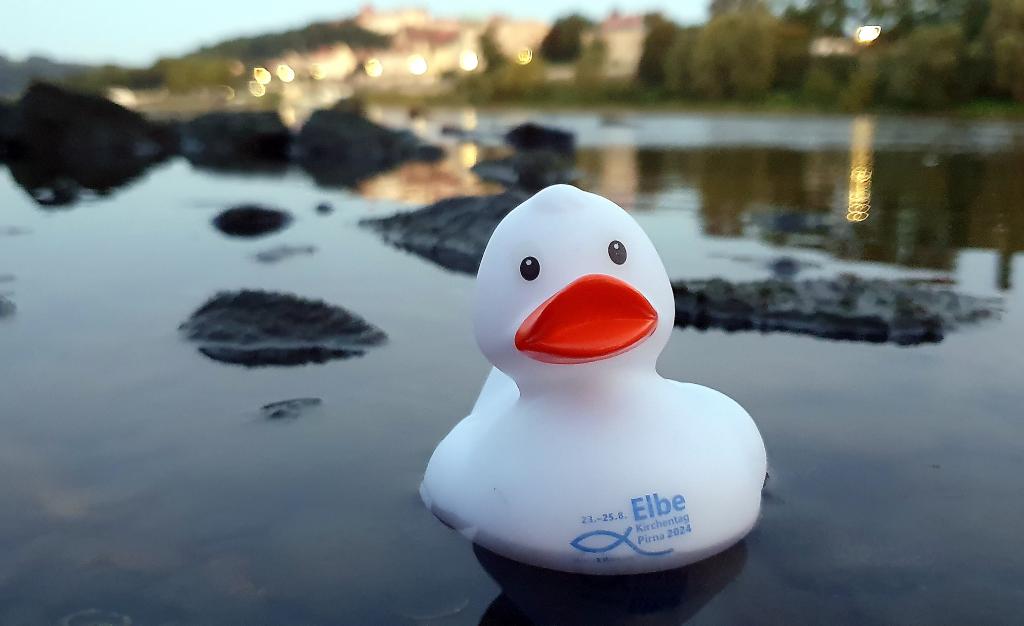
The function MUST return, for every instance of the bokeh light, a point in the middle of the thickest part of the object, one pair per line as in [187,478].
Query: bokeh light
[285,73]
[373,68]
[469,60]
[261,75]
[257,88]
[417,65]
[524,56]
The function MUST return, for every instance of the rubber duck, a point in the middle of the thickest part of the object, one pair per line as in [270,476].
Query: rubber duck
[578,456]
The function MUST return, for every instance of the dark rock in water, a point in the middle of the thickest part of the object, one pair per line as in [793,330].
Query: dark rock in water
[530,136]
[289,409]
[847,307]
[324,208]
[59,143]
[257,328]
[236,140]
[13,231]
[6,307]
[280,253]
[452,232]
[251,220]
[340,147]
[531,170]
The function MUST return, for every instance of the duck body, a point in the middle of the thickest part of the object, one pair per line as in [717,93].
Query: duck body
[578,456]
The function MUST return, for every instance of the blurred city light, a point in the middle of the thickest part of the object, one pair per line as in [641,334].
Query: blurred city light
[468,60]
[417,65]
[257,88]
[867,34]
[316,71]
[285,73]
[261,75]
[469,153]
[373,68]
[524,56]
[861,168]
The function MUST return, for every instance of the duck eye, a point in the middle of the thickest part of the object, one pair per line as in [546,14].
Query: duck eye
[530,268]
[617,252]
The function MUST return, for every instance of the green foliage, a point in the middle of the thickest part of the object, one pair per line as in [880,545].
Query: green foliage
[792,54]
[304,39]
[1005,32]
[678,62]
[735,55]
[861,88]
[923,69]
[821,87]
[590,67]
[660,33]
[187,73]
[564,41]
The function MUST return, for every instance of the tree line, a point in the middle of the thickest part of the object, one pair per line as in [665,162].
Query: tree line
[932,54]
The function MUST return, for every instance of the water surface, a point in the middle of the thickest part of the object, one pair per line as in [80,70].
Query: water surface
[140,480]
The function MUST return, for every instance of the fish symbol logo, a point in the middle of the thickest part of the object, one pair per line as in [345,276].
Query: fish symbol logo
[614,540]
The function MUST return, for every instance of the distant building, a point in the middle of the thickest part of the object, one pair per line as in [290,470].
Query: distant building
[515,36]
[390,22]
[624,36]
[832,47]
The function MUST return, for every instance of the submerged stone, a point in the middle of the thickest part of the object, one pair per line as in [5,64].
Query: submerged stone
[532,136]
[452,232]
[289,409]
[280,253]
[251,220]
[236,140]
[340,147]
[324,208]
[531,170]
[904,312]
[59,143]
[256,328]
[7,307]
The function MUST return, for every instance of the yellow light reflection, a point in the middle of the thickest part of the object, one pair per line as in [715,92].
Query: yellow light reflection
[867,34]
[288,116]
[316,71]
[468,60]
[257,88]
[524,56]
[861,168]
[261,75]
[469,153]
[469,120]
[228,91]
[373,68]
[417,65]
[285,73]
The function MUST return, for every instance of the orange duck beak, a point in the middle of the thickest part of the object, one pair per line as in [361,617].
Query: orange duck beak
[594,317]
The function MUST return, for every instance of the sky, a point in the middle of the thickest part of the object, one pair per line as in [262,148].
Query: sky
[137,32]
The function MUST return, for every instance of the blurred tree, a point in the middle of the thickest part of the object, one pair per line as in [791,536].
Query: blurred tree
[303,39]
[590,67]
[564,42]
[735,55]
[191,72]
[660,33]
[491,54]
[859,93]
[821,87]
[792,54]
[1005,32]
[923,69]
[679,62]
[718,7]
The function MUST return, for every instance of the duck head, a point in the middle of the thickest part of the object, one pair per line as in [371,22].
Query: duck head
[571,288]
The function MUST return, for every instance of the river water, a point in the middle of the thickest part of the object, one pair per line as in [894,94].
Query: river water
[141,484]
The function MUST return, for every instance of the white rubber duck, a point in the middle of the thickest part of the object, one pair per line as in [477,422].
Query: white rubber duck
[589,461]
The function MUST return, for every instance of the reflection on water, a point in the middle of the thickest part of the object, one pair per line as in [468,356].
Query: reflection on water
[860,169]
[141,481]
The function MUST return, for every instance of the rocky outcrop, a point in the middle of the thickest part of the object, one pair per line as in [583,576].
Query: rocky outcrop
[847,307]
[259,328]
[61,142]
[251,220]
[236,140]
[531,170]
[452,232]
[531,136]
[340,147]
